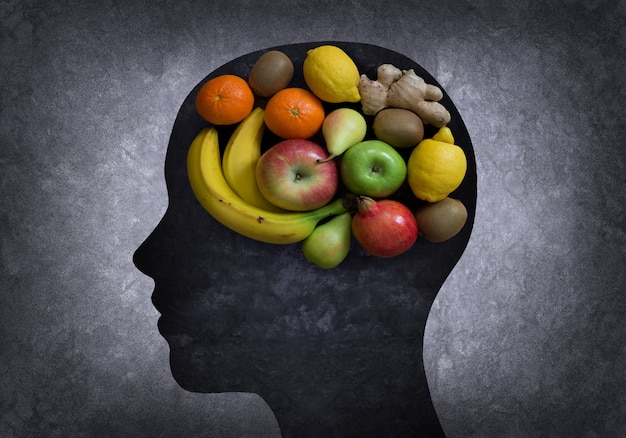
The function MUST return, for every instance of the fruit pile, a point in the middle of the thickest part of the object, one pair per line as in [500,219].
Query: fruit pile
[330,175]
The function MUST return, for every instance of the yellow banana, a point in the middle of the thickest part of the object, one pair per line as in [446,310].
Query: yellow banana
[218,198]
[240,157]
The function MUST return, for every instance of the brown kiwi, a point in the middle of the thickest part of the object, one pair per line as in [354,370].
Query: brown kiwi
[401,128]
[271,73]
[442,220]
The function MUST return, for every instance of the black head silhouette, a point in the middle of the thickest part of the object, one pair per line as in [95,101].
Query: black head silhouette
[335,353]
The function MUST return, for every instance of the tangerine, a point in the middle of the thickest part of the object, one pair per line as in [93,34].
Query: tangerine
[225,100]
[294,113]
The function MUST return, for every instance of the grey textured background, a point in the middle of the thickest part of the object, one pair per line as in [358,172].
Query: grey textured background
[525,338]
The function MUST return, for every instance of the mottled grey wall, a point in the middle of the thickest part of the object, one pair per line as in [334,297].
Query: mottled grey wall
[526,337]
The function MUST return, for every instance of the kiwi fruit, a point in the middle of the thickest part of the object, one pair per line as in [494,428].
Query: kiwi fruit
[401,128]
[441,220]
[271,73]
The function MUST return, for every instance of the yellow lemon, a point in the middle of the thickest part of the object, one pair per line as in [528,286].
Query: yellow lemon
[331,74]
[435,169]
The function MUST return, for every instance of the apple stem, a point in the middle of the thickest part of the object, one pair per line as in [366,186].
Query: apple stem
[328,158]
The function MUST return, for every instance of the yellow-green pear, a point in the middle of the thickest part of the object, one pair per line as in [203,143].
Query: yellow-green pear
[329,243]
[341,129]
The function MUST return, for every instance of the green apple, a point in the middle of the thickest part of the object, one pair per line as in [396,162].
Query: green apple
[373,168]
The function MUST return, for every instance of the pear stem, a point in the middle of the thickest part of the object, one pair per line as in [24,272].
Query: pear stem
[328,158]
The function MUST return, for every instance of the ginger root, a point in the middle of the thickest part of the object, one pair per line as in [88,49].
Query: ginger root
[397,88]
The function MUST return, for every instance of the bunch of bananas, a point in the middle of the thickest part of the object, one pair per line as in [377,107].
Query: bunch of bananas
[226,187]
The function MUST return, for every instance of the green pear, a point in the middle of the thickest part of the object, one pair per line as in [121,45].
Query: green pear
[329,243]
[341,129]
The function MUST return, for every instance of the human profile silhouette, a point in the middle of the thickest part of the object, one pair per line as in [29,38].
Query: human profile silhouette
[334,353]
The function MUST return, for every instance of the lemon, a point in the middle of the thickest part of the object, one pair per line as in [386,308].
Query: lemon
[435,169]
[331,74]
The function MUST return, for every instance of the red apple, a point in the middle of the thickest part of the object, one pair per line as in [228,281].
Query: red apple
[384,228]
[291,176]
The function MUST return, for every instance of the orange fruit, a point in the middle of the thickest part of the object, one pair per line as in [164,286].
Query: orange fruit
[294,113]
[225,100]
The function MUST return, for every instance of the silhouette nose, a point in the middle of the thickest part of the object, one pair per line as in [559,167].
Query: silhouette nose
[139,259]
[145,257]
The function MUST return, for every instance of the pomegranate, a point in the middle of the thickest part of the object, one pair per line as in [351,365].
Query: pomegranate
[384,228]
